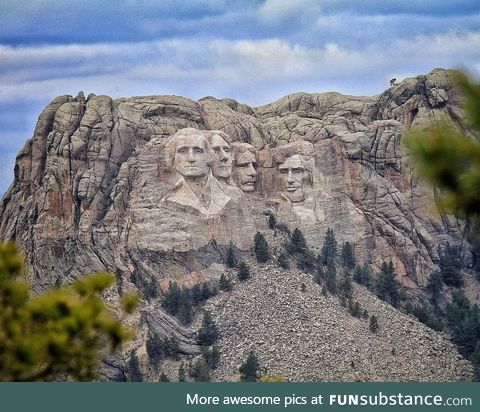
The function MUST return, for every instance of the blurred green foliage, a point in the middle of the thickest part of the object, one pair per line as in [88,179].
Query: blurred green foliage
[61,334]
[448,157]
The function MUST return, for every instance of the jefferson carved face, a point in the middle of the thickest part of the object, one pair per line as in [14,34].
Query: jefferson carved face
[245,174]
[192,158]
[222,161]
[292,172]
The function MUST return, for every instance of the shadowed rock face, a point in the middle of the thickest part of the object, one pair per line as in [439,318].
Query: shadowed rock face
[95,187]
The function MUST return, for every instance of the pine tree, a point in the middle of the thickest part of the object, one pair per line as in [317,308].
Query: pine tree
[249,369]
[163,378]
[196,294]
[331,278]
[182,376]
[59,334]
[208,332]
[373,326]
[206,292]
[283,261]
[348,256]
[475,359]
[134,372]
[154,349]
[261,248]
[307,261]
[329,249]
[225,283]
[435,286]
[272,222]
[450,265]
[297,244]
[319,275]
[345,287]
[243,272]
[388,288]
[211,356]
[363,276]
[231,259]
[200,371]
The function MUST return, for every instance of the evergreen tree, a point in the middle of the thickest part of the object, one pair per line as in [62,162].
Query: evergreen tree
[231,259]
[225,283]
[307,261]
[206,292]
[261,248]
[272,222]
[388,288]
[243,272]
[331,278]
[451,265]
[354,308]
[329,249]
[475,359]
[283,261]
[426,314]
[154,349]
[182,376]
[435,287]
[196,293]
[373,326]
[134,372]
[249,370]
[208,332]
[345,287]
[163,378]
[297,244]
[211,356]
[348,256]
[59,334]
[151,291]
[185,311]
[363,275]
[199,371]
[172,298]
[319,275]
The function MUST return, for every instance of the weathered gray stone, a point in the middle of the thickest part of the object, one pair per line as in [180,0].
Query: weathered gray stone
[96,188]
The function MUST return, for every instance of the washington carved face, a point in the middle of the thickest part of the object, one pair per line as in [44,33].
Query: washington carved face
[222,161]
[245,173]
[292,172]
[192,159]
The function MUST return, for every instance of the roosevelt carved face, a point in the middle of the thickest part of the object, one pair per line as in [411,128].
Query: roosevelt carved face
[293,172]
[222,161]
[192,159]
[245,174]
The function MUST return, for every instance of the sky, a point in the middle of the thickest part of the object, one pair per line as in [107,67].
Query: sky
[252,51]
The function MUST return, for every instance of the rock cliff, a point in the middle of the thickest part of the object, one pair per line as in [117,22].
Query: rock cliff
[103,185]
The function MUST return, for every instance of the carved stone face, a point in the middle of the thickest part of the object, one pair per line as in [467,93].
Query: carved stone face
[245,174]
[292,172]
[192,159]
[222,162]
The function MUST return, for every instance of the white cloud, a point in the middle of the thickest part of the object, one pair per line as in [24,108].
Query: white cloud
[252,70]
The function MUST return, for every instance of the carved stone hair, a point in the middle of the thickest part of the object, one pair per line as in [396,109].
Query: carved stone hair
[223,135]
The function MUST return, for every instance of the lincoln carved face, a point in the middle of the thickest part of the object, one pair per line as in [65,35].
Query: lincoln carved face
[222,156]
[192,156]
[293,174]
[245,174]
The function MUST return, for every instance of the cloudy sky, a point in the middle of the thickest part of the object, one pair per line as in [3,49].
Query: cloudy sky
[253,51]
